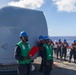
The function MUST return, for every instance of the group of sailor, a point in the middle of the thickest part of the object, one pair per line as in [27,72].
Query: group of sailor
[46,48]
[62,48]
[22,50]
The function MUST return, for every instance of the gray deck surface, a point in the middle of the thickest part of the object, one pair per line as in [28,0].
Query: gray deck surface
[59,68]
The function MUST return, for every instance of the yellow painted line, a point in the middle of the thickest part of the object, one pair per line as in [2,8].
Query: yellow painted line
[66,63]
[55,62]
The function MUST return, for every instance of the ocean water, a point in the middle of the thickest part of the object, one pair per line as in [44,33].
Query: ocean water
[69,39]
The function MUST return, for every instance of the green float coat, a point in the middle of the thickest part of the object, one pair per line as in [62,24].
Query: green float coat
[25,48]
[49,52]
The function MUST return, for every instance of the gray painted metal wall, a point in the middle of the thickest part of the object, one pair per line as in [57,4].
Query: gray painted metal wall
[13,20]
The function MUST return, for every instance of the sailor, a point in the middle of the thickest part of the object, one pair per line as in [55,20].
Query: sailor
[47,56]
[21,54]
[59,48]
[72,52]
[55,46]
[40,44]
[75,52]
[51,43]
[64,49]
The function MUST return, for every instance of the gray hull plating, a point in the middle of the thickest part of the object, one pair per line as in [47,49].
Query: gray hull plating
[13,20]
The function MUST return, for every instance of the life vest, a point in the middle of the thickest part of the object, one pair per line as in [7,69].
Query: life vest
[65,44]
[40,44]
[72,47]
[51,43]
[25,48]
[49,52]
[59,44]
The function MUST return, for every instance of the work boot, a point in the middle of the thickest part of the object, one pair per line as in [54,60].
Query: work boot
[40,70]
[69,61]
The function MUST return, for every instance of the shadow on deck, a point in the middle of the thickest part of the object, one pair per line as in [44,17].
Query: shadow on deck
[56,71]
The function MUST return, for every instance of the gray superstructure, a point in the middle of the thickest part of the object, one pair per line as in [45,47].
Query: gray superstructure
[13,20]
